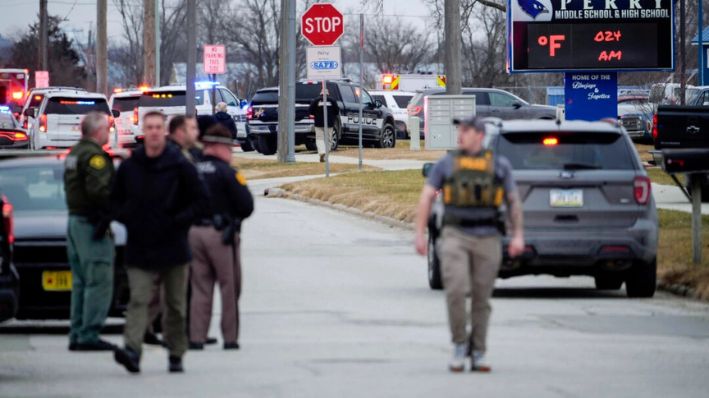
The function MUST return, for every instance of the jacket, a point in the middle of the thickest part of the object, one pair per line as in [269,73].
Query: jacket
[88,178]
[227,121]
[157,199]
[228,194]
[317,109]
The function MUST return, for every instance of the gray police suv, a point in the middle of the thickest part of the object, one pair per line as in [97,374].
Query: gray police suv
[588,206]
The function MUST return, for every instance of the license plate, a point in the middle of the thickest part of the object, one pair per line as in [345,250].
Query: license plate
[566,198]
[56,281]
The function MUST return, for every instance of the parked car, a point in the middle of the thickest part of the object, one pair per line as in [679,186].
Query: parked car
[378,122]
[35,186]
[57,121]
[34,100]
[588,206]
[12,136]
[489,102]
[396,101]
[9,279]
[126,130]
[635,115]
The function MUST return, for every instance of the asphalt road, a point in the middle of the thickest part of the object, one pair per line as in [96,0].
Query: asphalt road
[338,306]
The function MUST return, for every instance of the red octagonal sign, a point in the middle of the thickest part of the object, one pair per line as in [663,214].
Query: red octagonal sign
[322,24]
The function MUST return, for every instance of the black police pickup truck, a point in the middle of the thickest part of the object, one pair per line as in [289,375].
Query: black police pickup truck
[378,122]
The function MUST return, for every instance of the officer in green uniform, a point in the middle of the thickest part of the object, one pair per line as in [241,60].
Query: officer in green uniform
[473,182]
[88,178]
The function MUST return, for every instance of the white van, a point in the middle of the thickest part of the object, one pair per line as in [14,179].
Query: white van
[57,121]
[126,131]
[396,101]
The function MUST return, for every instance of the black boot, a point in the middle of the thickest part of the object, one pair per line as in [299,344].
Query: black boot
[175,365]
[210,341]
[152,339]
[128,358]
[231,346]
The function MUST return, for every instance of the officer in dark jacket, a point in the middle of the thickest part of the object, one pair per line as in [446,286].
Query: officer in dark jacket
[214,241]
[225,119]
[317,109]
[87,181]
[158,195]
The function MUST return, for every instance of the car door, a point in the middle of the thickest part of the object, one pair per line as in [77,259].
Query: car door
[349,116]
[482,102]
[505,106]
[234,109]
[371,114]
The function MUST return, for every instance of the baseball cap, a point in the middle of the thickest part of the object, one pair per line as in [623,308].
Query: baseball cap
[218,134]
[471,121]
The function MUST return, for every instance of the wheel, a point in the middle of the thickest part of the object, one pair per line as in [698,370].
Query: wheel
[608,281]
[267,144]
[641,280]
[310,145]
[387,137]
[335,138]
[435,281]
[246,145]
[253,141]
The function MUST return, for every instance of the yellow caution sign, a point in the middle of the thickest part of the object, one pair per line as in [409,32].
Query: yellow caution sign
[441,80]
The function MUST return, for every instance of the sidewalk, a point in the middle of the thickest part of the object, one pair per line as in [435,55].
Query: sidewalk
[670,197]
[389,164]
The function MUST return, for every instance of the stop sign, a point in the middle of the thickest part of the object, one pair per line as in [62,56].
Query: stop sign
[322,24]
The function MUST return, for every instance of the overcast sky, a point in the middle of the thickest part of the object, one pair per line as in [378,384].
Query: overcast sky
[16,15]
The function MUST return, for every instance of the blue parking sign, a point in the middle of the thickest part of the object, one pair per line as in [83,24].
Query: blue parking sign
[591,96]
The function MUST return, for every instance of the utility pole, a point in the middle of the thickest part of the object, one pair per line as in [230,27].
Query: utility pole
[700,43]
[682,52]
[158,42]
[43,35]
[191,56]
[286,84]
[452,56]
[101,48]
[149,42]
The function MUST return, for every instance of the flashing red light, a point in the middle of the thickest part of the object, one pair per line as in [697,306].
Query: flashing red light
[117,90]
[135,117]
[43,123]
[17,95]
[655,132]
[250,113]
[387,79]
[642,189]
[7,219]
[550,141]
[37,97]
[143,88]
[13,135]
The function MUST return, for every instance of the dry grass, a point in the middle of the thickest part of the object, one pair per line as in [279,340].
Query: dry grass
[394,194]
[658,176]
[258,169]
[644,151]
[401,151]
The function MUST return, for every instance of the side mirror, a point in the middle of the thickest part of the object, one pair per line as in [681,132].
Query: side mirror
[426,169]
[115,112]
[377,104]
[30,112]
[516,105]
[243,103]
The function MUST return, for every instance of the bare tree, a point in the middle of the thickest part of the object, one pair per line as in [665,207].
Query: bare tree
[397,47]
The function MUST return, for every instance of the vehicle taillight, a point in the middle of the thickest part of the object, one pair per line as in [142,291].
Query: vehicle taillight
[43,123]
[654,127]
[249,113]
[135,116]
[413,110]
[111,123]
[7,219]
[642,189]
[13,135]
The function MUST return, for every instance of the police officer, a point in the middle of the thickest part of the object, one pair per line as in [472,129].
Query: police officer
[215,241]
[88,178]
[183,132]
[474,183]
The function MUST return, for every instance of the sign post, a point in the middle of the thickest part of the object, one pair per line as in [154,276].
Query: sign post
[214,61]
[322,25]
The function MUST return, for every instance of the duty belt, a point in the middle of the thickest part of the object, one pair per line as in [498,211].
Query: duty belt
[468,222]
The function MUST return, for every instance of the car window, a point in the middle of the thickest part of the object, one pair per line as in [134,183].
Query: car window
[380,98]
[347,94]
[228,98]
[265,97]
[34,188]
[366,98]
[75,106]
[481,97]
[305,92]
[402,100]
[35,100]
[560,150]
[502,99]
[125,104]
[169,98]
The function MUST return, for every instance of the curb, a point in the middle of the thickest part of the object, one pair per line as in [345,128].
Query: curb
[679,290]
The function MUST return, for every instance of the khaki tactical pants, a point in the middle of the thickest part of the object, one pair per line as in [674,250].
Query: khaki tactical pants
[320,138]
[469,264]
[142,290]
[214,262]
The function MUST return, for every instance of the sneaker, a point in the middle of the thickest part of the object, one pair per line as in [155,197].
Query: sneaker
[478,363]
[231,346]
[457,361]
[98,345]
[175,365]
[128,358]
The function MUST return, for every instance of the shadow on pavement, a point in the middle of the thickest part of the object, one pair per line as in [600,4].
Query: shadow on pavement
[557,292]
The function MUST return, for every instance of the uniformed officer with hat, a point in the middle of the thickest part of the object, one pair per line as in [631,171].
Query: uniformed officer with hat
[88,178]
[474,182]
[214,241]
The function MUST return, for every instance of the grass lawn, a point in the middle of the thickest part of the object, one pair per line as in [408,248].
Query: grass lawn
[395,193]
[257,169]
[401,151]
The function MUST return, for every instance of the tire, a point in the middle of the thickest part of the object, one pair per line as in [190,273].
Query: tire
[435,280]
[246,145]
[387,137]
[641,280]
[310,145]
[608,281]
[267,144]
[335,138]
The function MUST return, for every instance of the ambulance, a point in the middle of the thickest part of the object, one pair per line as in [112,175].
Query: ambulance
[411,82]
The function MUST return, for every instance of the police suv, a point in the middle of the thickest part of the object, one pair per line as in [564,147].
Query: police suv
[378,122]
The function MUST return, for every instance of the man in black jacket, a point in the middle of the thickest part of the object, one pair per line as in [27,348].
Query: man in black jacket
[157,196]
[225,119]
[317,109]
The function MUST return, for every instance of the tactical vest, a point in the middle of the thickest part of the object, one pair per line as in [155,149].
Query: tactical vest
[473,193]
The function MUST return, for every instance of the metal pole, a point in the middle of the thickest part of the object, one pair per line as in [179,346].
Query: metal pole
[696,186]
[213,78]
[101,48]
[158,42]
[683,53]
[361,83]
[43,35]
[452,54]
[700,43]
[326,133]
[191,56]
[286,83]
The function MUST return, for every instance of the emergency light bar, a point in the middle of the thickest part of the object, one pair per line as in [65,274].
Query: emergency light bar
[205,84]
[64,102]
[4,108]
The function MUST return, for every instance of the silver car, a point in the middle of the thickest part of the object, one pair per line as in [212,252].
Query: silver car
[588,206]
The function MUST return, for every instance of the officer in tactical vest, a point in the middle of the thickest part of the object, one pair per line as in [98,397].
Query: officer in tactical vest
[214,241]
[473,182]
[88,178]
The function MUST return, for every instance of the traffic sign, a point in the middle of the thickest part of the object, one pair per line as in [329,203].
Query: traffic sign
[41,78]
[324,63]
[214,59]
[322,24]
